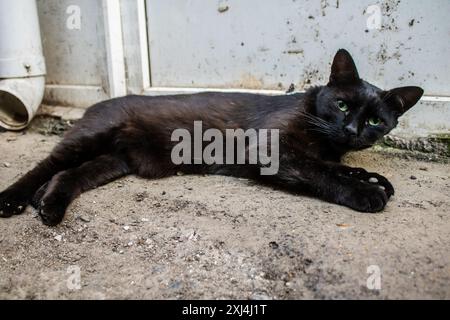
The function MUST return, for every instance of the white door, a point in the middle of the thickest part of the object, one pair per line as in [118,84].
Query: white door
[268,44]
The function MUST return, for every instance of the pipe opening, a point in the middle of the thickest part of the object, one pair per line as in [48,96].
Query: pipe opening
[13,112]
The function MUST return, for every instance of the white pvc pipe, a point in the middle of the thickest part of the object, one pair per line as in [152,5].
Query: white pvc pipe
[22,65]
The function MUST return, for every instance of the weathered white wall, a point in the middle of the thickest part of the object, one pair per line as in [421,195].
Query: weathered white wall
[270,44]
[182,45]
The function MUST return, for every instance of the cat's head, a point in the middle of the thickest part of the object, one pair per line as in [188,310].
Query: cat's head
[357,113]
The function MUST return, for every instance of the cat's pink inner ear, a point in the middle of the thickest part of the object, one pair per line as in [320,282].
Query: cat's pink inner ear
[343,69]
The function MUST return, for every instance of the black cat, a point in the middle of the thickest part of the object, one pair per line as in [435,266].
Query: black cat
[132,135]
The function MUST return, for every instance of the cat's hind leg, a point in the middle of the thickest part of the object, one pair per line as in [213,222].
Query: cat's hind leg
[78,146]
[15,198]
[68,184]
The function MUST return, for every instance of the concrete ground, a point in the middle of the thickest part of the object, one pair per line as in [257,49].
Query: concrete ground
[210,237]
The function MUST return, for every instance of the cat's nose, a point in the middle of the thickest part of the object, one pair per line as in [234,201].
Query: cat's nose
[351,129]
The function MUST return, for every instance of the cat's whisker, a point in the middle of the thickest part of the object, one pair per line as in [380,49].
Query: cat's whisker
[314,120]
[325,131]
[320,124]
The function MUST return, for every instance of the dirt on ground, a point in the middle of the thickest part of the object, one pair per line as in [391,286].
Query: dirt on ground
[212,237]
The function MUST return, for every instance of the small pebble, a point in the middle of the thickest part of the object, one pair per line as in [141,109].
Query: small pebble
[84,219]
[58,237]
[163,193]
[126,228]
[6,164]
[413,177]
[140,196]
[273,245]
[144,220]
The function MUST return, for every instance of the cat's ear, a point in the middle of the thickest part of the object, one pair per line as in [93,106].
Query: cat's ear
[403,98]
[343,69]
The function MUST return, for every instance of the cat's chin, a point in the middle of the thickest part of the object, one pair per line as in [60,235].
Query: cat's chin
[347,144]
[360,147]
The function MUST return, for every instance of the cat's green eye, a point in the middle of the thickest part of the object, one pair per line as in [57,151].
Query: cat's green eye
[374,121]
[342,106]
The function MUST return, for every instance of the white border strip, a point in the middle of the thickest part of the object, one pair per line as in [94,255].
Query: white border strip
[114,48]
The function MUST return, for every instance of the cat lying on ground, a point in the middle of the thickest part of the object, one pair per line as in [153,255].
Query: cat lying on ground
[134,135]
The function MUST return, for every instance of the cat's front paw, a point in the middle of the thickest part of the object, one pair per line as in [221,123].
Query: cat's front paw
[53,207]
[12,202]
[381,182]
[366,198]
[371,177]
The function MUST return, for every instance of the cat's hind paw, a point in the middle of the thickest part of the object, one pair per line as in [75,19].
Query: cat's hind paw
[12,202]
[38,195]
[52,208]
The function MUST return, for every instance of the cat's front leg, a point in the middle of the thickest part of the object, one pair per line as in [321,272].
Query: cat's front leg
[54,198]
[332,182]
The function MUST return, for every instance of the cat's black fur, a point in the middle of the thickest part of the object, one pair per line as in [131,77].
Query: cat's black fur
[132,135]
